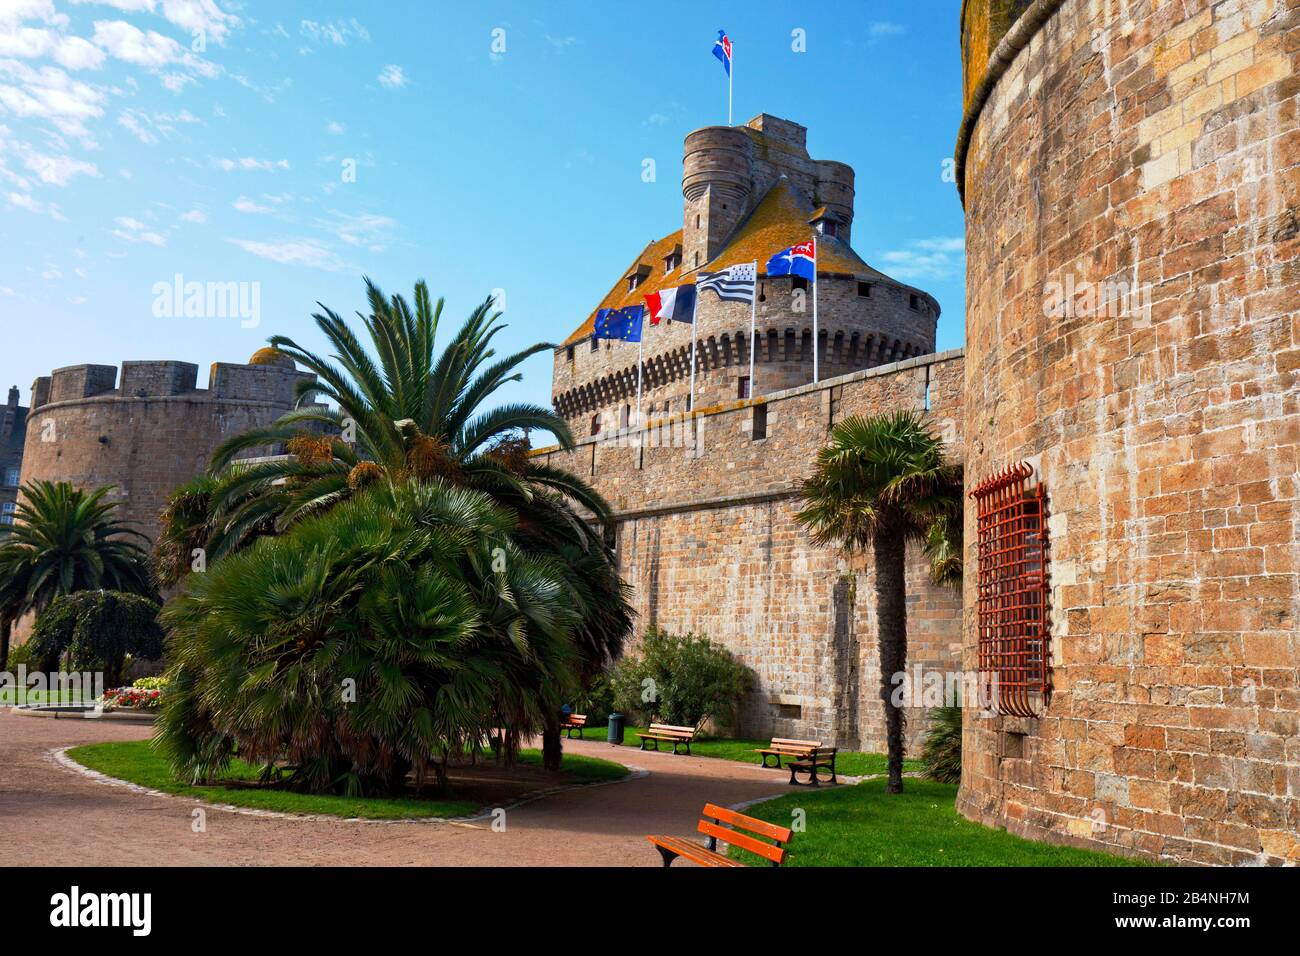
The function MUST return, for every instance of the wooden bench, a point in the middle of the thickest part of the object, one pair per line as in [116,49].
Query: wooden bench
[572,722]
[667,733]
[670,848]
[822,758]
[785,747]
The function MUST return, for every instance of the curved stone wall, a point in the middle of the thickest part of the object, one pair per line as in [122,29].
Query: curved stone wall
[148,436]
[1132,185]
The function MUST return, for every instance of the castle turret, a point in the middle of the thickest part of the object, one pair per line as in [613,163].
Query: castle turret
[717,184]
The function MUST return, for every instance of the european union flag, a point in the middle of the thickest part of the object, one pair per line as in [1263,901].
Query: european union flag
[623,324]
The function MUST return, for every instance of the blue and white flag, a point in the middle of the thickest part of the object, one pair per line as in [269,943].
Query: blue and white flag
[722,50]
[622,324]
[800,260]
[732,284]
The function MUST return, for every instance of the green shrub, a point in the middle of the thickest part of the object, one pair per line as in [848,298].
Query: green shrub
[941,756]
[683,680]
[150,683]
[20,655]
[97,629]
[597,702]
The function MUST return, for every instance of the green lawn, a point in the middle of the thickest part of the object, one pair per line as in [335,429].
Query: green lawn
[864,826]
[137,762]
[9,695]
[848,762]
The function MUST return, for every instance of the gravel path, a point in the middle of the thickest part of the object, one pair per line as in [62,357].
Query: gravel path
[52,815]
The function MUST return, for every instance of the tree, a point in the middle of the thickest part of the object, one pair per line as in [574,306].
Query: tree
[880,483]
[683,680]
[405,413]
[378,638]
[97,630]
[65,540]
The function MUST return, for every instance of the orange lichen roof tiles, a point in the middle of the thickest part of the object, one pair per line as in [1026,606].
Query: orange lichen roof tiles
[781,221]
[618,297]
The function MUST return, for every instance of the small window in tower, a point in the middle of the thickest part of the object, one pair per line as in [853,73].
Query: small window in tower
[595,344]
[742,387]
[569,354]
[697,220]
[697,258]
[914,302]
[828,227]
[689,403]
[667,406]
[595,424]
[759,430]
[799,282]
[864,290]
[632,282]
[625,418]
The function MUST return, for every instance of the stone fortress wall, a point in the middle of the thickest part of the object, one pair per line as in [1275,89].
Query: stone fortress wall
[707,538]
[154,432]
[1149,145]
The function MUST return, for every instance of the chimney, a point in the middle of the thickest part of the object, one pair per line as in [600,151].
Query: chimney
[13,396]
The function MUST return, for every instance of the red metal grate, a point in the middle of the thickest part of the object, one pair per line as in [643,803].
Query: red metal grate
[1014,642]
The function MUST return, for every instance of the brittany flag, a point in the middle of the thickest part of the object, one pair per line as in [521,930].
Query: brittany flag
[722,50]
[675,305]
[799,260]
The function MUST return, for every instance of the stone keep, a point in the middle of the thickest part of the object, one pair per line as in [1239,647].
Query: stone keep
[705,498]
[1144,156]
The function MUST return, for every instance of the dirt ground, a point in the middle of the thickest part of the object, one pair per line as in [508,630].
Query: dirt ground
[50,815]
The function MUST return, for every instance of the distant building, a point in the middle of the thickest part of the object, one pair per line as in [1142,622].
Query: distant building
[13,430]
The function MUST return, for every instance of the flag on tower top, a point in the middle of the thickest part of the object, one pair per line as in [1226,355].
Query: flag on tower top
[722,50]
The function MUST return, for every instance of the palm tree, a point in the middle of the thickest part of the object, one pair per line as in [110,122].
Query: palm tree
[404,412]
[880,483]
[377,638]
[65,540]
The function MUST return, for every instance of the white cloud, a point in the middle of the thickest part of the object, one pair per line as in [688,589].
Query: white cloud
[149,129]
[58,170]
[251,163]
[195,216]
[154,52]
[335,127]
[133,230]
[939,258]
[246,205]
[358,229]
[51,273]
[189,15]
[336,32]
[49,93]
[392,77]
[297,252]
[886,28]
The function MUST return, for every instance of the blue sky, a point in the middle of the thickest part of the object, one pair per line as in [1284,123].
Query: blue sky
[142,139]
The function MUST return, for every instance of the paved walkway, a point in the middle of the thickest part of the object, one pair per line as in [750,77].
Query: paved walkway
[51,815]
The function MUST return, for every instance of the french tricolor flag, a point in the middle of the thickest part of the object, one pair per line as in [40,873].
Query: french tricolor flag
[673,305]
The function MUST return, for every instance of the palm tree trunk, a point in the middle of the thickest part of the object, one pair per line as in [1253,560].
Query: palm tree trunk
[552,745]
[891,624]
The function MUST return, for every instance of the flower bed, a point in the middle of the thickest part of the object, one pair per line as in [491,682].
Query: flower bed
[145,694]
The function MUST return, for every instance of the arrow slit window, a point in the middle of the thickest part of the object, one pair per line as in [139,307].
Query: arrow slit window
[1012,554]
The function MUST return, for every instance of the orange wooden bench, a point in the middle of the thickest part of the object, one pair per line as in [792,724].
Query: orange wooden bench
[670,734]
[572,722]
[670,848]
[786,747]
[820,758]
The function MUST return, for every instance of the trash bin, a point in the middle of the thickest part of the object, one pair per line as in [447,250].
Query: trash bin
[615,735]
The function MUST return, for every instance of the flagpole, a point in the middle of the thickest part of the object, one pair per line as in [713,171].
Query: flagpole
[640,353]
[729,80]
[753,333]
[695,301]
[816,333]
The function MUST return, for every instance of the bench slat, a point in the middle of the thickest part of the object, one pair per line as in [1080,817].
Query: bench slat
[753,824]
[744,841]
[690,850]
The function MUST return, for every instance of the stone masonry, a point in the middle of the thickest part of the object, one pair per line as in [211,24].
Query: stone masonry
[707,538]
[1144,157]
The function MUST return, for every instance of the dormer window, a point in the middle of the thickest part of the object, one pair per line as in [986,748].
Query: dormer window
[637,276]
[673,259]
[826,223]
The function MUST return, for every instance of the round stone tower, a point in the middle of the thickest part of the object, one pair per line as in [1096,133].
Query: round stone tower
[1131,176]
[154,431]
